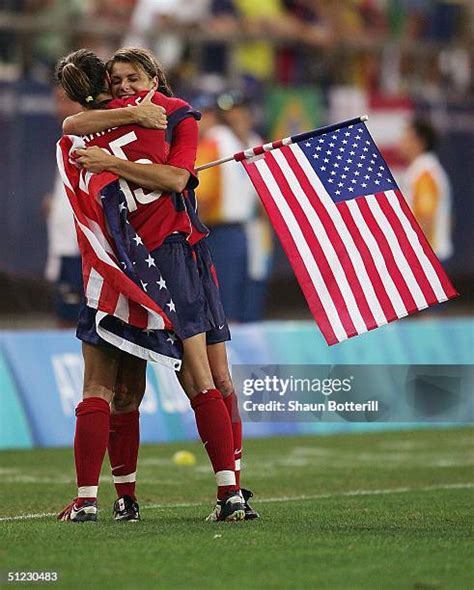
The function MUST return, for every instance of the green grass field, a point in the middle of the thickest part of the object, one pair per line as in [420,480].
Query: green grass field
[387,511]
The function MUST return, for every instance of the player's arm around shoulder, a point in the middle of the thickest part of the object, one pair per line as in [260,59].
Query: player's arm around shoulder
[145,114]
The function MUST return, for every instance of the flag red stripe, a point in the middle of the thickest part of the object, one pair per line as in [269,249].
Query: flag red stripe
[335,238]
[138,316]
[117,282]
[374,276]
[314,245]
[443,278]
[108,299]
[407,248]
[291,250]
[387,254]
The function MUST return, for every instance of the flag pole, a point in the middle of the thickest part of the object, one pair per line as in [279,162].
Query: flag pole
[214,163]
[255,151]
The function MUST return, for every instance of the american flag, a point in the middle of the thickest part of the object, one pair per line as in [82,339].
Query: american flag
[135,310]
[357,251]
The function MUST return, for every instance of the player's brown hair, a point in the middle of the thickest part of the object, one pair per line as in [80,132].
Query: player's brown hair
[83,76]
[146,61]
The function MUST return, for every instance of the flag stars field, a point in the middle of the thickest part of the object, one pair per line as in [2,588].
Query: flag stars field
[150,261]
[161,283]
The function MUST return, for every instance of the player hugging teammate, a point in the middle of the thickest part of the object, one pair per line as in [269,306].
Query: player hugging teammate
[156,171]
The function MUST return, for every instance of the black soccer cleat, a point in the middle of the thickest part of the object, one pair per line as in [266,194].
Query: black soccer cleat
[250,513]
[231,509]
[126,509]
[83,513]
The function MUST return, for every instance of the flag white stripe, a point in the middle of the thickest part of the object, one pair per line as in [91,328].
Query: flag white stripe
[155,321]
[94,288]
[133,348]
[303,249]
[341,228]
[379,261]
[415,243]
[122,309]
[327,247]
[397,252]
[99,234]
[84,180]
[97,246]
[60,162]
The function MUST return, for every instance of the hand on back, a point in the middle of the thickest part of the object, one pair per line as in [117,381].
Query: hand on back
[150,115]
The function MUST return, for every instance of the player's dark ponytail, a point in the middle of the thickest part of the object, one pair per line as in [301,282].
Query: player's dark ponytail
[144,60]
[83,76]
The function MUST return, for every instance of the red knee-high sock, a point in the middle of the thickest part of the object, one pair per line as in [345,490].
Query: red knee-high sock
[90,443]
[124,441]
[232,405]
[215,429]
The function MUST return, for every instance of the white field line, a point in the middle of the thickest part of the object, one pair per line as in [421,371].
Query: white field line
[448,486]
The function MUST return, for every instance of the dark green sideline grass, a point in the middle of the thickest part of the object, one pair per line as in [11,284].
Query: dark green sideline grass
[374,511]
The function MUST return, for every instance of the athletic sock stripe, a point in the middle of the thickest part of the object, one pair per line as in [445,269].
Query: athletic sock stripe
[130,478]
[87,491]
[225,478]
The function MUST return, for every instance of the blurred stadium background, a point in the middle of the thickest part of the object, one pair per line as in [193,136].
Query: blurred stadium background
[300,64]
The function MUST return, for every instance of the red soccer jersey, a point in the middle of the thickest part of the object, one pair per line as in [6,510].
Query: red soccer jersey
[154,215]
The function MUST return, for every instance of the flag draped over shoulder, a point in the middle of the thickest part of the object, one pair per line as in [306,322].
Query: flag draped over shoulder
[357,251]
[121,279]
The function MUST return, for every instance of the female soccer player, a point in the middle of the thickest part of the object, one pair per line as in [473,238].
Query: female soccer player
[164,227]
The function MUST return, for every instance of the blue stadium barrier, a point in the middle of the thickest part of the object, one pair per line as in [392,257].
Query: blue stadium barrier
[41,376]
[14,427]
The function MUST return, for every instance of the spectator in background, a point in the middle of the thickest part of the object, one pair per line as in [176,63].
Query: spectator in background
[256,59]
[310,23]
[426,186]
[63,265]
[240,239]
[47,46]
[224,24]
[152,23]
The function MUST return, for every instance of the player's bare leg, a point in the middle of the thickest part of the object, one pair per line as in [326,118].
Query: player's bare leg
[92,429]
[196,365]
[214,425]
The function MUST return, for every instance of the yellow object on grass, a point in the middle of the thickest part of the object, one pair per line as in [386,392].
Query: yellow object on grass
[184,458]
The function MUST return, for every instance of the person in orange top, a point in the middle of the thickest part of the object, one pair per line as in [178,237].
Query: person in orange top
[426,186]
[240,238]
[210,183]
